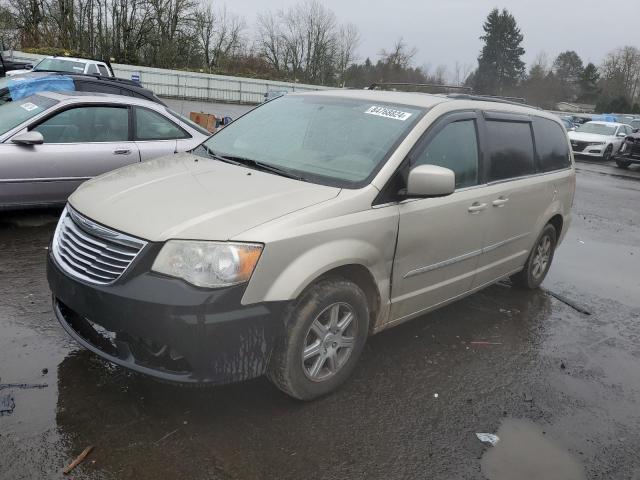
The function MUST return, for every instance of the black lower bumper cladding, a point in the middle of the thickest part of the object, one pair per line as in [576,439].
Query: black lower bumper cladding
[165,328]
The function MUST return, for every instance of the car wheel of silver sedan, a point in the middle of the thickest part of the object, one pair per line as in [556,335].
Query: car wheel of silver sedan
[326,332]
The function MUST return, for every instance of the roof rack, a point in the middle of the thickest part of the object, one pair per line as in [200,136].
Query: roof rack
[491,98]
[377,85]
[97,76]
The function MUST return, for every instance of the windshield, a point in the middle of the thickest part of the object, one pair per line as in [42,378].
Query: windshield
[328,140]
[597,128]
[59,65]
[13,114]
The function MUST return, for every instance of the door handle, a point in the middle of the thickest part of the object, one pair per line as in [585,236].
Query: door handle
[476,208]
[122,151]
[499,202]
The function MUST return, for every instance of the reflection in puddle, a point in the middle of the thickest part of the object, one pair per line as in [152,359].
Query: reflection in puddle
[525,452]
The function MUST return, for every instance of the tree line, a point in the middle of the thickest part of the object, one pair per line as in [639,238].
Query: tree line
[614,86]
[306,43]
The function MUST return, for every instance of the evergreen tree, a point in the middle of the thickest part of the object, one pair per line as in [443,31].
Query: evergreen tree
[569,72]
[589,90]
[500,66]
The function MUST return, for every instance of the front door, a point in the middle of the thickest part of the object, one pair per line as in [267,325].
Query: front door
[156,135]
[79,143]
[440,239]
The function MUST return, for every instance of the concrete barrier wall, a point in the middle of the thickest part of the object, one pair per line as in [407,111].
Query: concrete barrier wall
[197,86]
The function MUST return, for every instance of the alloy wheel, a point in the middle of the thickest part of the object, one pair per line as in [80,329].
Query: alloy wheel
[541,257]
[329,341]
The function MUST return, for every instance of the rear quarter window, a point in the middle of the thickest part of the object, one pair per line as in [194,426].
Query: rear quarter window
[551,145]
[510,149]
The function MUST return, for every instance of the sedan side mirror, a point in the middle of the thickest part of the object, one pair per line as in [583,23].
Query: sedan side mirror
[28,138]
[622,134]
[430,181]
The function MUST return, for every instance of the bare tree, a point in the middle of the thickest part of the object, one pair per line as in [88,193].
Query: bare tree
[620,73]
[400,56]
[219,33]
[348,40]
[270,42]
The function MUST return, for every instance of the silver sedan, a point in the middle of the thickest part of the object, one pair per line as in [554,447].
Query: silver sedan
[52,142]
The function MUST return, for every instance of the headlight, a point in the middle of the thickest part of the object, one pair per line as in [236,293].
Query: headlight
[208,264]
[596,143]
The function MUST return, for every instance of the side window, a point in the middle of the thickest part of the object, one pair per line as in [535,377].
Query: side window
[103,70]
[86,124]
[454,147]
[151,125]
[510,149]
[551,144]
[91,68]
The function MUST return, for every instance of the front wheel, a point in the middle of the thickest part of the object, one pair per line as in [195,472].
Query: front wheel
[606,156]
[326,332]
[539,261]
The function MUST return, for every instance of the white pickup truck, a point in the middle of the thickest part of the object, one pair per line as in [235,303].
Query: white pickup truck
[67,64]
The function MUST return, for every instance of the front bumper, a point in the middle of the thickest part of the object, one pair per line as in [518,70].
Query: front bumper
[166,328]
[591,151]
[629,156]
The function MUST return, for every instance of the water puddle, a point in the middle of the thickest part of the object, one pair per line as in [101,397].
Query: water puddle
[524,451]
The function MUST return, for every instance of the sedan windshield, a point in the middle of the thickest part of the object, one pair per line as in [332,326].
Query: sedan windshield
[59,65]
[13,114]
[327,140]
[597,128]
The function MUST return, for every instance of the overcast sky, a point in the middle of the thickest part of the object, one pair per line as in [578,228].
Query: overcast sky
[446,31]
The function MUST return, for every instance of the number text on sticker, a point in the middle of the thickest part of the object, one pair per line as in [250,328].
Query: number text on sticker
[388,113]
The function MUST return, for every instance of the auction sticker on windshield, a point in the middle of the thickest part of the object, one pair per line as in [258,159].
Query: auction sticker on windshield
[29,106]
[388,113]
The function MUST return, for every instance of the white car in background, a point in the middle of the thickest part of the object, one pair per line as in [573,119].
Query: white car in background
[67,64]
[599,139]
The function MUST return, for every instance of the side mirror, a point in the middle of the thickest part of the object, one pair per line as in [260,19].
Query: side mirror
[28,138]
[622,134]
[430,181]
[28,66]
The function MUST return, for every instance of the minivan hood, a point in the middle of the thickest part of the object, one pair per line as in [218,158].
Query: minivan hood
[190,197]
[588,137]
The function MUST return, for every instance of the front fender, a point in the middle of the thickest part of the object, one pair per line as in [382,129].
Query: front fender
[292,261]
[314,263]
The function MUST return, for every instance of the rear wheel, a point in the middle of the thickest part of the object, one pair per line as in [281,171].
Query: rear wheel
[539,261]
[606,156]
[622,163]
[326,332]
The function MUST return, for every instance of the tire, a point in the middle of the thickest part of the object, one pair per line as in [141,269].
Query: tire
[336,354]
[622,163]
[535,270]
[606,156]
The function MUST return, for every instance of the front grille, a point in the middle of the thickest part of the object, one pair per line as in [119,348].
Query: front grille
[578,146]
[91,252]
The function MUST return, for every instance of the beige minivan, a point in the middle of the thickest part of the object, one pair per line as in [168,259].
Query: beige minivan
[283,241]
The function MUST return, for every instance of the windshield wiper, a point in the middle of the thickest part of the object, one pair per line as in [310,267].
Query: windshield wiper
[213,154]
[235,160]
